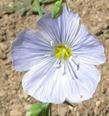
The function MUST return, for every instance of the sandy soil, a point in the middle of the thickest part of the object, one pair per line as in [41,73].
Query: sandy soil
[13,101]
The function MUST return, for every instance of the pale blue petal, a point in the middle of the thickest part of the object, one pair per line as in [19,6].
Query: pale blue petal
[89,50]
[49,84]
[29,49]
[82,32]
[50,26]
[62,29]
[81,83]
[44,83]
[70,25]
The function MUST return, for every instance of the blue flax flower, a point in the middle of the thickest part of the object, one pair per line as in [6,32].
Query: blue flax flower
[60,58]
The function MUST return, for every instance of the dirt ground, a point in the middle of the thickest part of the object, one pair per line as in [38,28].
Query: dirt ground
[13,101]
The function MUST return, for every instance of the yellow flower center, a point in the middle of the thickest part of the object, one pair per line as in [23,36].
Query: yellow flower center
[61,51]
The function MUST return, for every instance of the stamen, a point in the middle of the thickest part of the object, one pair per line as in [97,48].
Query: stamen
[62,52]
[64,69]
[58,65]
[76,63]
[52,43]
[47,55]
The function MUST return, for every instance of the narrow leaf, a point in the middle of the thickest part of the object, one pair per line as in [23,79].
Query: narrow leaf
[36,7]
[57,9]
[46,1]
[39,109]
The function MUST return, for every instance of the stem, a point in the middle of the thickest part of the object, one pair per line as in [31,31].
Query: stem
[50,110]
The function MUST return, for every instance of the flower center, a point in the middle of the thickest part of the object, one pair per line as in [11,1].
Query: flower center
[62,52]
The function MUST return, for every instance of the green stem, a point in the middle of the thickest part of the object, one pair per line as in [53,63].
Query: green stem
[50,110]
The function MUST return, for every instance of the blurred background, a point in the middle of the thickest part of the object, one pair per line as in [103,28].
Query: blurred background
[13,101]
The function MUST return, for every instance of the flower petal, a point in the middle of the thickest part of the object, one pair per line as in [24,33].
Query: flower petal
[44,83]
[30,48]
[62,29]
[81,83]
[89,50]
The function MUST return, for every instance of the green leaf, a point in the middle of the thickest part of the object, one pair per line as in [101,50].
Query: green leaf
[46,1]
[57,9]
[39,109]
[36,7]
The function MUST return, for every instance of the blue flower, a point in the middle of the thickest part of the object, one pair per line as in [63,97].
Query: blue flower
[60,58]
